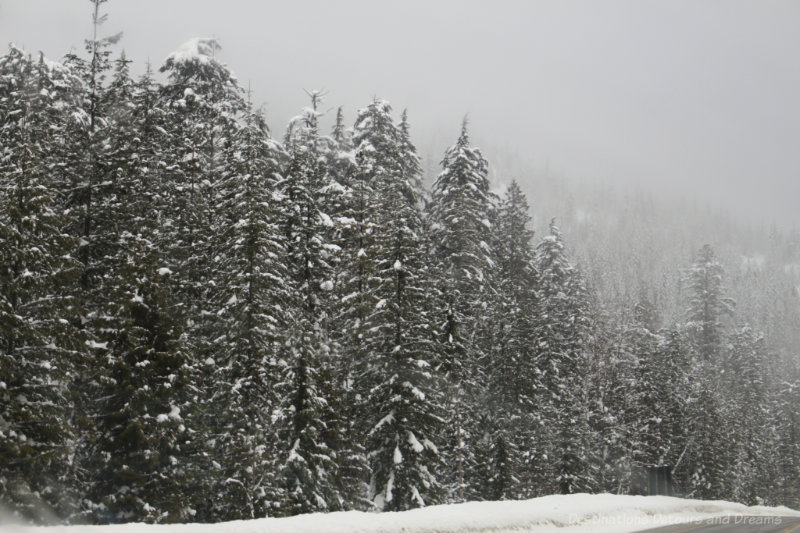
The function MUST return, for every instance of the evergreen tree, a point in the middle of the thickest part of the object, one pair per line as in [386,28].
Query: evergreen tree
[745,408]
[347,208]
[91,192]
[359,222]
[206,208]
[708,305]
[38,337]
[345,238]
[202,102]
[512,372]
[789,441]
[251,295]
[139,457]
[313,433]
[704,460]
[399,378]
[562,339]
[708,456]
[613,395]
[663,389]
[141,470]
[460,211]
[94,197]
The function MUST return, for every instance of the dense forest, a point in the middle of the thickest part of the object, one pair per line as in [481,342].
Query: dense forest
[201,322]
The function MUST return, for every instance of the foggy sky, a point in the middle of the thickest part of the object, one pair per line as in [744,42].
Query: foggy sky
[696,97]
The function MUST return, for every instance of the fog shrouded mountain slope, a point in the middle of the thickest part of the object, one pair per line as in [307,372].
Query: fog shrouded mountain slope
[633,238]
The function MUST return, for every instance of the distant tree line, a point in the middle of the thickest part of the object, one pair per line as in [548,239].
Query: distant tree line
[199,322]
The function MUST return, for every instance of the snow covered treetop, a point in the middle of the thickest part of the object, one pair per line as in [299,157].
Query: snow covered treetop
[53,74]
[198,50]
[14,49]
[16,54]
[196,59]
[377,104]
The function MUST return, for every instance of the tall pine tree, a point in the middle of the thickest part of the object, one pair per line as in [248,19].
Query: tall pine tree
[460,211]
[399,378]
[39,338]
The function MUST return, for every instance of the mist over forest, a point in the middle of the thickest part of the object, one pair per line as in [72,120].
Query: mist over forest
[205,317]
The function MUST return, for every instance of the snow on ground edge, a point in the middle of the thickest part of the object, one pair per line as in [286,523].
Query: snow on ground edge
[598,513]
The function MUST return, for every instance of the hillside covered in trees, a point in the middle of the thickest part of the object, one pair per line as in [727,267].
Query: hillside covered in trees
[202,322]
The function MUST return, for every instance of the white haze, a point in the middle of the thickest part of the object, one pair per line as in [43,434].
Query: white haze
[691,98]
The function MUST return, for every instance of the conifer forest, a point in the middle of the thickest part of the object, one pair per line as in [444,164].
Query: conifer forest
[203,319]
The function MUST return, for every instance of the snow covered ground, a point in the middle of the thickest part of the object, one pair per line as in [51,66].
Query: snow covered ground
[596,513]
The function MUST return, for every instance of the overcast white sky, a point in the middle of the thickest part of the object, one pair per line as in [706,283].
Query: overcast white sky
[683,95]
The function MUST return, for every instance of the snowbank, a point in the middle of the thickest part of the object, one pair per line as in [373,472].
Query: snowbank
[596,513]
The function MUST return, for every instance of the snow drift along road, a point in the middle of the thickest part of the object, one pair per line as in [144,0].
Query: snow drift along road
[596,513]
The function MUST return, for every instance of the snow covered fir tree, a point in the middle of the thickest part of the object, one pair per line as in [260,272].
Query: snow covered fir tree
[202,321]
